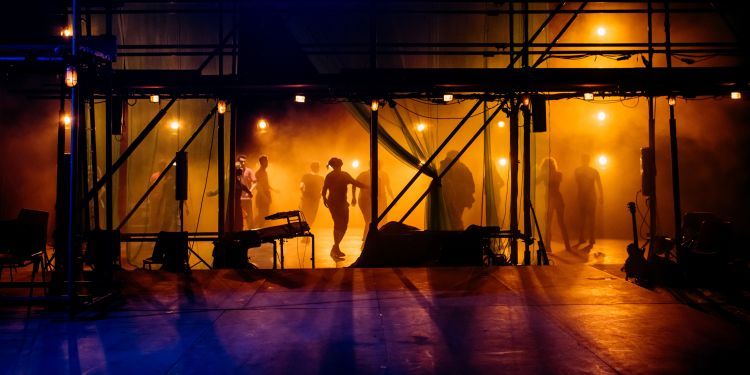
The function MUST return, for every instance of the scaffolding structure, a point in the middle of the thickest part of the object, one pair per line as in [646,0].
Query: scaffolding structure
[668,69]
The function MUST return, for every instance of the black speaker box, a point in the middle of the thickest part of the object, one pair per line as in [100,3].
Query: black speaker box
[538,114]
[181,178]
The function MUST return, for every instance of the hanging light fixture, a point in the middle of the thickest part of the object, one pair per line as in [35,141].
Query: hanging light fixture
[374,105]
[71,76]
[66,32]
[447,97]
[299,98]
[153,98]
[735,95]
[221,107]
[671,101]
[588,96]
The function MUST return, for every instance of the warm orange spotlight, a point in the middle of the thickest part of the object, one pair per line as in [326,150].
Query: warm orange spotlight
[174,125]
[501,124]
[736,95]
[421,127]
[355,164]
[526,100]
[66,32]
[601,116]
[221,107]
[299,98]
[374,105]
[71,76]
[601,31]
[588,96]
[262,124]
[447,97]
[502,161]
[153,98]
[602,159]
[66,120]
[671,101]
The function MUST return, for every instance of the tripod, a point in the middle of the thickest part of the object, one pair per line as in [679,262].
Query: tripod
[190,249]
[541,253]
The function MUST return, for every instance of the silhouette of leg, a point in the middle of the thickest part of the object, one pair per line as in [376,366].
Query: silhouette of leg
[340,215]
[563,228]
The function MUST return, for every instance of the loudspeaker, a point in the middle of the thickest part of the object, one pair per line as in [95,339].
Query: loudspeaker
[538,114]
[116,108]
[181,178]
[647,171]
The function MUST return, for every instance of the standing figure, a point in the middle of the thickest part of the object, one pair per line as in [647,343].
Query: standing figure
[365,200]
[458,190]
[263,191]
[550,175]
[310,186]
[244,185]
[334,197]
[588,181]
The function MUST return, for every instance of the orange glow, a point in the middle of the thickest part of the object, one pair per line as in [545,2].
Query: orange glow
[221,107]
[602,160]
[421,127]
[671,101]
[71,76]
[601,116]
[66,32]
[262,124]
[447,97]
[526,101]
[67,120]
[601,31]
[501,124]
[355,164]
[374,106]
[174,125]
[502,161]
[153,98]
[736,95]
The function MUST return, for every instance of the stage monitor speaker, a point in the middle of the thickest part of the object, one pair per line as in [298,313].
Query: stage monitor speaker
[116,108]
[538,114]
[181,178]
[647,171]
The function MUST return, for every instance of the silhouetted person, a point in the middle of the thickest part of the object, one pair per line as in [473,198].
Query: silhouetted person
[458,190]
[588,181]
[263,191]
[552,178]
[247,180]
[311,186]
[365,200]
[334,197]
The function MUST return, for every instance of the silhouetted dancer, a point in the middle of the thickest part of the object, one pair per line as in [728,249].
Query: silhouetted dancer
[588,181]
[334,197]
[365,200]
[247,181]
[458,190]
[310,187]
[263,191]
[552,178]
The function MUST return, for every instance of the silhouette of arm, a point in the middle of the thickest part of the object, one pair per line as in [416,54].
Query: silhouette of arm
[324,192]
[599,187]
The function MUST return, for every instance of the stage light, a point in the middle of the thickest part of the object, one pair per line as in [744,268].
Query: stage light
[71,76]
[671,101]
[601,31]
[153,98]
[735,95]
[501,124]
[421,127]
[601,116]
[502,161]
[602,159]
[447,97]
[588,96]
[66,32]
[221,107]
[526,100]
[299,98]
[262,124]
[421,163]
[66,120]
[374,105]
[174,125]
[355,164]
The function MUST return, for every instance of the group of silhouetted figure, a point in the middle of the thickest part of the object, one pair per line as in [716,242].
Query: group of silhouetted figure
[253,197]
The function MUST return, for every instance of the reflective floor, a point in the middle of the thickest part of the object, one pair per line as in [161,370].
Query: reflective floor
[564,318]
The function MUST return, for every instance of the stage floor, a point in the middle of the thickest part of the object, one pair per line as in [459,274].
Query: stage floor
[564,318]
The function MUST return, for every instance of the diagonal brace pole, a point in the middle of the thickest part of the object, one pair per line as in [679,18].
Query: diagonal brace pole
[559,35]
[429,161]
[124,156]
[455,160]
[538,32]
[166,169]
